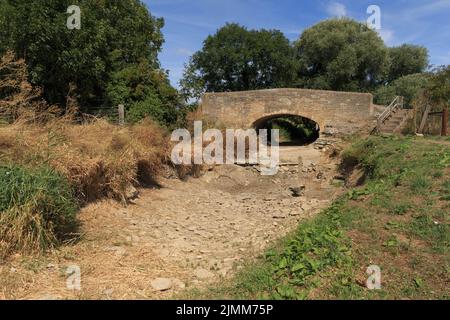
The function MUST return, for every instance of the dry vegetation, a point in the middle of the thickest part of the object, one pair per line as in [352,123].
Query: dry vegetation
[96,158]
[18,98]
[99,159]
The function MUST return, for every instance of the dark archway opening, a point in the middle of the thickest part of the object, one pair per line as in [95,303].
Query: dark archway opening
[294,130]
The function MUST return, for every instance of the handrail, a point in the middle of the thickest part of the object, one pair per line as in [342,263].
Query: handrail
[397,103]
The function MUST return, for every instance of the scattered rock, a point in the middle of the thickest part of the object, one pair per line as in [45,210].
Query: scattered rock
[203,274]
[178,283]
[162,284]
[108,292]
[297,191]
[279,215]
[296,213]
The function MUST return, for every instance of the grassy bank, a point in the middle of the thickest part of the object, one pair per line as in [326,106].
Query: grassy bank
[396,218]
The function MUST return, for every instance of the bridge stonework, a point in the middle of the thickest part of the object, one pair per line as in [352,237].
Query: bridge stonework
[338,112]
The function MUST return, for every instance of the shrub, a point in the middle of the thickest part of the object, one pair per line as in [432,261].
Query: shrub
[408,87]
[152,107]
[37,209]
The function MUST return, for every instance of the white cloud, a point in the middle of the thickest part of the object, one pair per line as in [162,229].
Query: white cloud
[336,9]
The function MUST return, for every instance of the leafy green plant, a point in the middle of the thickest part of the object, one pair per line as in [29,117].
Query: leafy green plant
[401,208]
[315,247]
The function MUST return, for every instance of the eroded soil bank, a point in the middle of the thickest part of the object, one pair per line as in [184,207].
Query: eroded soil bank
[182,235]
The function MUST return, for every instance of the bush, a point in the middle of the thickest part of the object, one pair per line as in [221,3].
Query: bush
[145,94]
[152,107]
[37,209]
[408,87]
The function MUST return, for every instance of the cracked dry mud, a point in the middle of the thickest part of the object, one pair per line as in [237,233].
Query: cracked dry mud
[185,234]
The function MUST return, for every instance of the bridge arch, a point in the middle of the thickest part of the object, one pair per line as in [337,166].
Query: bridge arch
[294,129]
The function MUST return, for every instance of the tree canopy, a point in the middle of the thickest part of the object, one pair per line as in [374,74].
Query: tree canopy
[116,38]
[337,54]
[407,59]
[438,89]
[113,58]
[341,54]
[236,59]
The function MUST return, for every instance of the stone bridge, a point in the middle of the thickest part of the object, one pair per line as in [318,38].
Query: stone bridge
[334,112]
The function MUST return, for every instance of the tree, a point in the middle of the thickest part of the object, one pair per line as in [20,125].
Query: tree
[408,87]
[407,59]
[438,89]
[115,37]
[341,54]
[236,59]
[144,92]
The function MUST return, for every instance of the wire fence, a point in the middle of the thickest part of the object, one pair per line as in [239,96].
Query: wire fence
[82,116]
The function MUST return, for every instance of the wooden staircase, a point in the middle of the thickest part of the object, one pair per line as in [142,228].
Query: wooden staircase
[393,119]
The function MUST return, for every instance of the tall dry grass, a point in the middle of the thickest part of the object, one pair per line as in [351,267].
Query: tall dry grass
[49,163]
[98,158]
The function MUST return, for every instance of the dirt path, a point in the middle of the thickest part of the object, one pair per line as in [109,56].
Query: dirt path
[189,233]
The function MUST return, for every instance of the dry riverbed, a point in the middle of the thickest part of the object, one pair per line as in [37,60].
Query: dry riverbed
[182,235]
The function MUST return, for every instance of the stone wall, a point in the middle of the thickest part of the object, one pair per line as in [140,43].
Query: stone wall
[341,112]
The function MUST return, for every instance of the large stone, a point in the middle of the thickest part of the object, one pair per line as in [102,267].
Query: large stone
[161,284]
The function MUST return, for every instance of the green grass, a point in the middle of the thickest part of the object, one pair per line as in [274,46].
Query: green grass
[37,209]
[397,220]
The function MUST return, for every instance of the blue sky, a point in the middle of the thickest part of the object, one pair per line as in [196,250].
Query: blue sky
[189,22]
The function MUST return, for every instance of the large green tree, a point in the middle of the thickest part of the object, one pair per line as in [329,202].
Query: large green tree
[343,55]
[236,59]
[116,36]
[407,59]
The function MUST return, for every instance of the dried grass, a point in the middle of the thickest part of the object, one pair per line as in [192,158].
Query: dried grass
[18,98]
[98,158]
